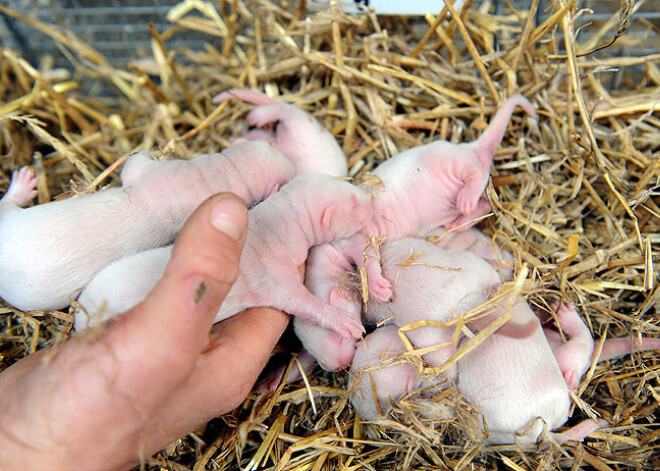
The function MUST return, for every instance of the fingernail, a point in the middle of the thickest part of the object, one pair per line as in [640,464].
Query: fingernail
[227,217]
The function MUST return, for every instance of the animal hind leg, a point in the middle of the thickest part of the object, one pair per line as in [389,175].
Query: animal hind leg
[298,301]
[573,356]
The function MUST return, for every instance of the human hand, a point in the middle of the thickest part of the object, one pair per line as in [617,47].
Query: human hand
[149,376]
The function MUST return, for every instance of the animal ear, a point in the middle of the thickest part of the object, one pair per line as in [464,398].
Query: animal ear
[328,214]
[410,384]
[335,339]
[335,296]
[274,188]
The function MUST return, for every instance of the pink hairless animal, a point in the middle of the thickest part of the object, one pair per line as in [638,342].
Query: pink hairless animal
[120,286]
[575,356]
[424,290]
[326,266]
[514,382]
[323,277]
[440,285]
[310,210]
[298,135]
[49,252]
[391,382]
[398,213]
[324,273]
[438,184]
[476,242]
[324,209]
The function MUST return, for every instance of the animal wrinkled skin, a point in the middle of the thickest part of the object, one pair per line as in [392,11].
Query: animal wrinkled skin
[326,267]
[310,210]
[440,184]
[430,283]
[517,383]
[310,147]
[49,252]
[391,382]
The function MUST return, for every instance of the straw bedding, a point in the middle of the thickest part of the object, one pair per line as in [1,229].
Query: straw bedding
[574,196]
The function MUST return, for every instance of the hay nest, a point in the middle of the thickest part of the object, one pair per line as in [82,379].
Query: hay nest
[574,196]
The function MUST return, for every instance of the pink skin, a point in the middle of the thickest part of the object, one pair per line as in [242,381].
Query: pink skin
[439,285]
[324,270]
[438,184]
[391,383]
[51,251]
[273,378]
[575,355]
[515,381]
[277,243]
[476,242]
[311,148]
[617,347]
[120,286]
[326,209]
[511,393]
[334,352]
[21,190]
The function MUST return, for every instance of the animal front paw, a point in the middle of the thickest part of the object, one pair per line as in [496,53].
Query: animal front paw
[23,186]
[566,315]
[348,327]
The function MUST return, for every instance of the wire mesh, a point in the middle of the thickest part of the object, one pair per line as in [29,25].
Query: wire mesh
[118,28]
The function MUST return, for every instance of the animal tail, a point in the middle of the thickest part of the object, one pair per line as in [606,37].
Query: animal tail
[256,98]
[613,348]
[490,139]
[510,329]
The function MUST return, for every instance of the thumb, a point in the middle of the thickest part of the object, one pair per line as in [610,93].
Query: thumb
[175,318]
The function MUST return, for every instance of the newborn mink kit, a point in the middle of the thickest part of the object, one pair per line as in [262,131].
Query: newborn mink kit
[470,266]
[433,190]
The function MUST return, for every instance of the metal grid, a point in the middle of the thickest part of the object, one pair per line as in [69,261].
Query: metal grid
[118,28]
[115,28]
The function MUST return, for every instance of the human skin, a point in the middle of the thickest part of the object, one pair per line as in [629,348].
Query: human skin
[108,400]
[310,210]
